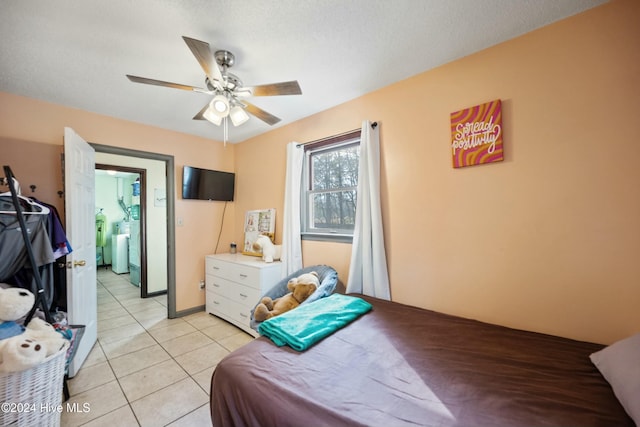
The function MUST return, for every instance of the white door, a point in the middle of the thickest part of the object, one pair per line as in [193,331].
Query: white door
[80,200]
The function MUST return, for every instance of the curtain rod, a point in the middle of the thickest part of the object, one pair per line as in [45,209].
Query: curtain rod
[373,126]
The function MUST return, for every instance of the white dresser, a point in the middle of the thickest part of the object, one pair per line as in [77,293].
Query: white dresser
[234,284]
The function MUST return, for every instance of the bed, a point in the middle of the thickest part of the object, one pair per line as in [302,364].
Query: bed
[399,365]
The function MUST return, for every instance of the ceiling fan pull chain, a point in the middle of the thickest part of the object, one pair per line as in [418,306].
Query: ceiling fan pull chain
[226,130]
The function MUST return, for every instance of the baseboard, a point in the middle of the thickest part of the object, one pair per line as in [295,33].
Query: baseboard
[189,311]
[155,294]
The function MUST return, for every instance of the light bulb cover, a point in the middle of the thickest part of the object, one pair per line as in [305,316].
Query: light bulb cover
[212,116]
[220,105]
[238,115]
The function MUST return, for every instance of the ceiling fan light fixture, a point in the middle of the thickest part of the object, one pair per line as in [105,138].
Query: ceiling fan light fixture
[238,115]
[220,105]
[212,116]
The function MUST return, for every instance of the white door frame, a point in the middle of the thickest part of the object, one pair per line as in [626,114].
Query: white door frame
[171,234]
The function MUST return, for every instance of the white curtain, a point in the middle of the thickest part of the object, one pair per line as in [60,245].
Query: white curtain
[368,273]
[291,243]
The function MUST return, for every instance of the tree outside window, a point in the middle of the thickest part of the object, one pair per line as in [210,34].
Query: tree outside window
[330,190]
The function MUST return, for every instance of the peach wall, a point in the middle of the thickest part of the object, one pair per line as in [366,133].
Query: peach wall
[34,164]
[547,240]
[22,127]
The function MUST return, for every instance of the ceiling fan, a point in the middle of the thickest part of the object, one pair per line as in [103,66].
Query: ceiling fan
[226,88]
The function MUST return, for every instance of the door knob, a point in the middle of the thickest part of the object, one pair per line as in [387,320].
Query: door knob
[80,263]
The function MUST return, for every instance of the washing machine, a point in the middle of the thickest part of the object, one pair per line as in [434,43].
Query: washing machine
[120,253]
[134,253]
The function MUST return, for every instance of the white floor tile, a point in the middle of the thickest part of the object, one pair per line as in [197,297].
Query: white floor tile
[121,417]
[146,369]
[201,417]
[92,404]
[141,359]
[147,381]
[204,357]
[169,404]
[186,343]
[90,377]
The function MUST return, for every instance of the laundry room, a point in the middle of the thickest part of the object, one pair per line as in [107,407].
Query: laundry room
[118,222]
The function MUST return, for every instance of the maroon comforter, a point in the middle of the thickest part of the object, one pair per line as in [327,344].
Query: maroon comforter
[405,366]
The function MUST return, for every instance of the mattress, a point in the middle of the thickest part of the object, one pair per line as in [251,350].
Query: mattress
[404,366]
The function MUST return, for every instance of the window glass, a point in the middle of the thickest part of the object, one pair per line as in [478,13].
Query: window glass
[331,181]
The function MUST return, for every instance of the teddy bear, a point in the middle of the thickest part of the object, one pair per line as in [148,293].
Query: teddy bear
[264,245]
[23,348]
[301,288]
[15,303]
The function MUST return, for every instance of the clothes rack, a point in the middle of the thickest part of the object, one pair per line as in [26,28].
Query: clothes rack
[39,294]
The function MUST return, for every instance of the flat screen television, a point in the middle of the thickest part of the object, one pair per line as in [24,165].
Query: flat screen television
[205,184]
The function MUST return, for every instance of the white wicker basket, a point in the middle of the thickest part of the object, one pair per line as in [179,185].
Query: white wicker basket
[33,397]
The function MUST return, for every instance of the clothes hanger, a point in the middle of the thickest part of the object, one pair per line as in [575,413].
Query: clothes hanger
[43,210]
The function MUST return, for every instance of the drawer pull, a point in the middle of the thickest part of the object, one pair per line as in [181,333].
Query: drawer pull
[243,315]
[216,285]
[216,302]
[244,276]
[243,295]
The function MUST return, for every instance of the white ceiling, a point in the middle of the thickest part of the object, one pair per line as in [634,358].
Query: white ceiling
[76,53]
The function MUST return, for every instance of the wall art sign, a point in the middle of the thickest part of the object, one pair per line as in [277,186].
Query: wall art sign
[476,135]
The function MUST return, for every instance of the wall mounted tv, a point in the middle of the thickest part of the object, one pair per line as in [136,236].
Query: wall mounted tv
[205,184]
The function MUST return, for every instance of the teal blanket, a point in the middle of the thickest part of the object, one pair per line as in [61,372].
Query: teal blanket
[307,324]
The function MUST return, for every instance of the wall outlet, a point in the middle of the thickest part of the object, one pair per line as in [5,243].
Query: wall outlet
[201,284]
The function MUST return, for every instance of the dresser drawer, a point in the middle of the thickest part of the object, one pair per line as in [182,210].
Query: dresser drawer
[239,273]
[226,308]
[233,290]
[234,284]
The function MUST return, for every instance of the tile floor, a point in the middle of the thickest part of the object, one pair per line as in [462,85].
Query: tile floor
[145,369]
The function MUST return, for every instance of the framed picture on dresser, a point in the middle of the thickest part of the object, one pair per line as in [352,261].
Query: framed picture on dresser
[256,223]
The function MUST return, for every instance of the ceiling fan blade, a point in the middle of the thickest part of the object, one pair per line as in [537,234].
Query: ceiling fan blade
[147,81]
[273,89]
[268,118]
[205,57]
[200,115]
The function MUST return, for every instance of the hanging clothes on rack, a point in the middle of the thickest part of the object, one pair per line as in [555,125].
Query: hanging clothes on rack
[24,210]
[13,253]
[57,235]
[57,299]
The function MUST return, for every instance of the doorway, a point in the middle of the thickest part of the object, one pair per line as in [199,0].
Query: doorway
[121,195]
[162,198]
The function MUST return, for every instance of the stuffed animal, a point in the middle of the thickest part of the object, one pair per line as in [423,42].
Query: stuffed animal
[45,334]
[23,348]
[264,245]
[15,303]
[301,288]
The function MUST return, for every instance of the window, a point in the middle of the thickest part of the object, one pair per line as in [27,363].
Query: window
[330,188]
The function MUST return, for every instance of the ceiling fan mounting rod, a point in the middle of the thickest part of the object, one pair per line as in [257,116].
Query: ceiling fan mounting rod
[224,58]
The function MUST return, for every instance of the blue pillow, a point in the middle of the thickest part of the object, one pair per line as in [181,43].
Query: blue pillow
[327,276]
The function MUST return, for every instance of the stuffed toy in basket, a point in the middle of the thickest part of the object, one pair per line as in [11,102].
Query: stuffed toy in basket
[22,347]
[32,364]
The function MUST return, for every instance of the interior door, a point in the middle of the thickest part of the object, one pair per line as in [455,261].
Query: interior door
[82,309]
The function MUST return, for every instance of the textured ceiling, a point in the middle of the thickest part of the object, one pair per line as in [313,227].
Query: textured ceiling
[76,53]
